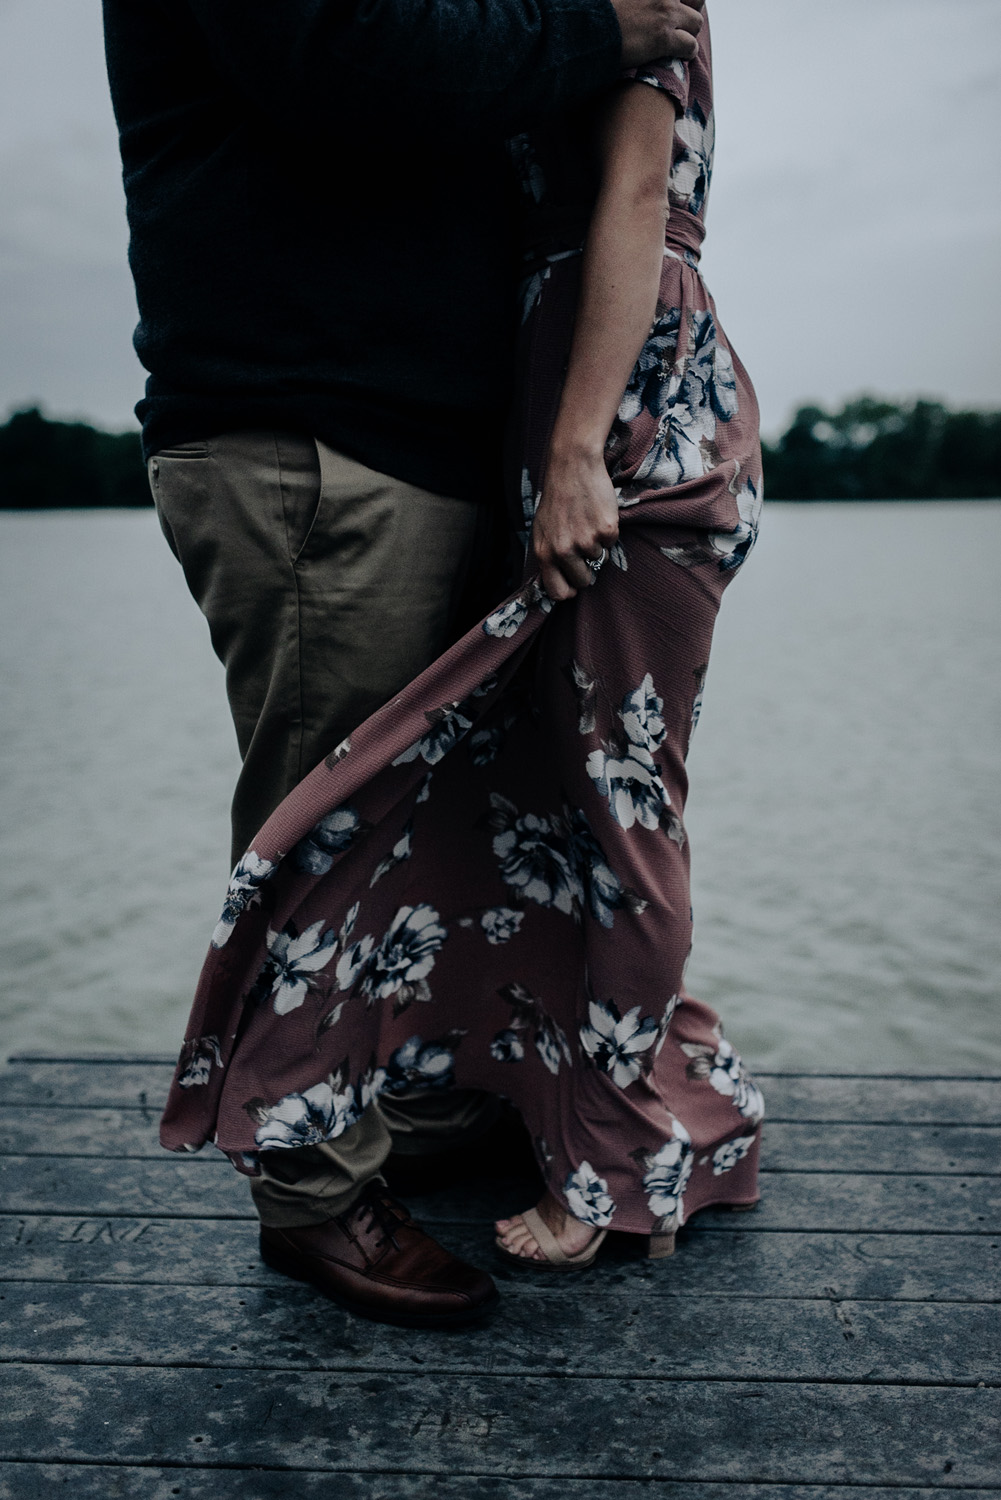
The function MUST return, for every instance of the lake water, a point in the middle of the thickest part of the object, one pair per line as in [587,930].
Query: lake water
[845,813]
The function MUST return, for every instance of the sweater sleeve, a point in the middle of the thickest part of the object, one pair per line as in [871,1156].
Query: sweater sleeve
[489,67]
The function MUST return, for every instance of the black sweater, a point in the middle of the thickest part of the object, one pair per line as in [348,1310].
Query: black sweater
[321,215]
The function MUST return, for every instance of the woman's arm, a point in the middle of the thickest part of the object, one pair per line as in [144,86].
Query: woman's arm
[578,513]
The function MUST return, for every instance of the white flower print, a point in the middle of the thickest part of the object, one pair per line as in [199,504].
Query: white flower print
[733,546]
[555,860]
[691,173]
[665,1022]
[703,391]
[406,954]
[551,1044]
[243,892]
[727,549]
[529,1014]
[315,853]
[448,725]
[626,773]
[700,687]
[318,1114]
[722,1067]
[585,691]
[648,76]
[370,1086]
[199,1056]
[422,1065]
[666,1176]
[648,381]
[352,961]
[676,454]
[632,784]
[603,890]
[642,716]
[615,1042]
[293,959]
[530,497]
[507,1046]
[338,753]
[536,594]
[402,850]
[398,965]
[533,863]
[500,923]
[485,745]
[726,1157]
[588,1197]
[331,1018]
[506,620]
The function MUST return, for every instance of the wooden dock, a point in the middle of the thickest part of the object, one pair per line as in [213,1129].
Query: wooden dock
[842,1341]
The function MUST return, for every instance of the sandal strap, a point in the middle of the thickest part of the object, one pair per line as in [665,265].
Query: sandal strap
[544,1237]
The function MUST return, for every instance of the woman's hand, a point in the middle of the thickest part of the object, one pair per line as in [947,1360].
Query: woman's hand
[577,517]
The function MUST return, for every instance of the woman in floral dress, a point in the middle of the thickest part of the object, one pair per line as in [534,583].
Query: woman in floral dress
[487,885]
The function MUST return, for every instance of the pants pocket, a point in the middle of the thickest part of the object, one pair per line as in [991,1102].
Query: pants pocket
[301,490]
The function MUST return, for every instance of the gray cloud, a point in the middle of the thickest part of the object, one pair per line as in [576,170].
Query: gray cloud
[855,221]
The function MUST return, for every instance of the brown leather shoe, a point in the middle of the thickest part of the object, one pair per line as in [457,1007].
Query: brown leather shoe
[376,1262]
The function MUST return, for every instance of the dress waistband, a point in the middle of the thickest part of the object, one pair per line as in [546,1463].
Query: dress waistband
[684,232]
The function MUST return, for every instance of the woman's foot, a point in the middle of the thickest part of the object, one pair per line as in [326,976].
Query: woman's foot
[571,1235]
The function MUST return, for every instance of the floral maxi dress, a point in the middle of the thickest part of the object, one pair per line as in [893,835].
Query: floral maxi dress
[486,885]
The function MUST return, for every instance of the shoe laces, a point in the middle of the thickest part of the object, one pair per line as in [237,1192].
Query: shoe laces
[383,1214]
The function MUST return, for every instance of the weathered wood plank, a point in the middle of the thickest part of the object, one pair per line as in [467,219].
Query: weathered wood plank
[681,1430]
[141,1086]
[179,1252]
[905,1101]
[538,1332]
[34,1131]
[212,1189]
[97,1059]
[27,1481]
[189,1188]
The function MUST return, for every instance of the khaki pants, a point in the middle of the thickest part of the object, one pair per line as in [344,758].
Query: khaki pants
[327,587]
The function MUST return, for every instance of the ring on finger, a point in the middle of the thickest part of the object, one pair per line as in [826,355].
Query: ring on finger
[597,563]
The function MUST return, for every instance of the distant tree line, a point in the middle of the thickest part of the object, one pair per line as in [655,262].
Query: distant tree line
[869,450]
[875,450]
[64,465]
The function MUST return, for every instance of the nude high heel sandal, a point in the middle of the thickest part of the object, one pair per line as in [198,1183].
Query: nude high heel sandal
[660,1246]
[556,1259]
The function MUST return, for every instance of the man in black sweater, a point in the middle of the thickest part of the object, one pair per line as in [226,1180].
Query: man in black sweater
[322,240]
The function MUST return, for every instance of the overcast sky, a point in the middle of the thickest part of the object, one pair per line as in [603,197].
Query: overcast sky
[854,225]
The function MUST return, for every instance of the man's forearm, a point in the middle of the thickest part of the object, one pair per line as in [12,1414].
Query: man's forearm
[482,66]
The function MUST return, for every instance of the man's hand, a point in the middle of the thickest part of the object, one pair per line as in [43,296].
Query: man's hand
[658,28]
